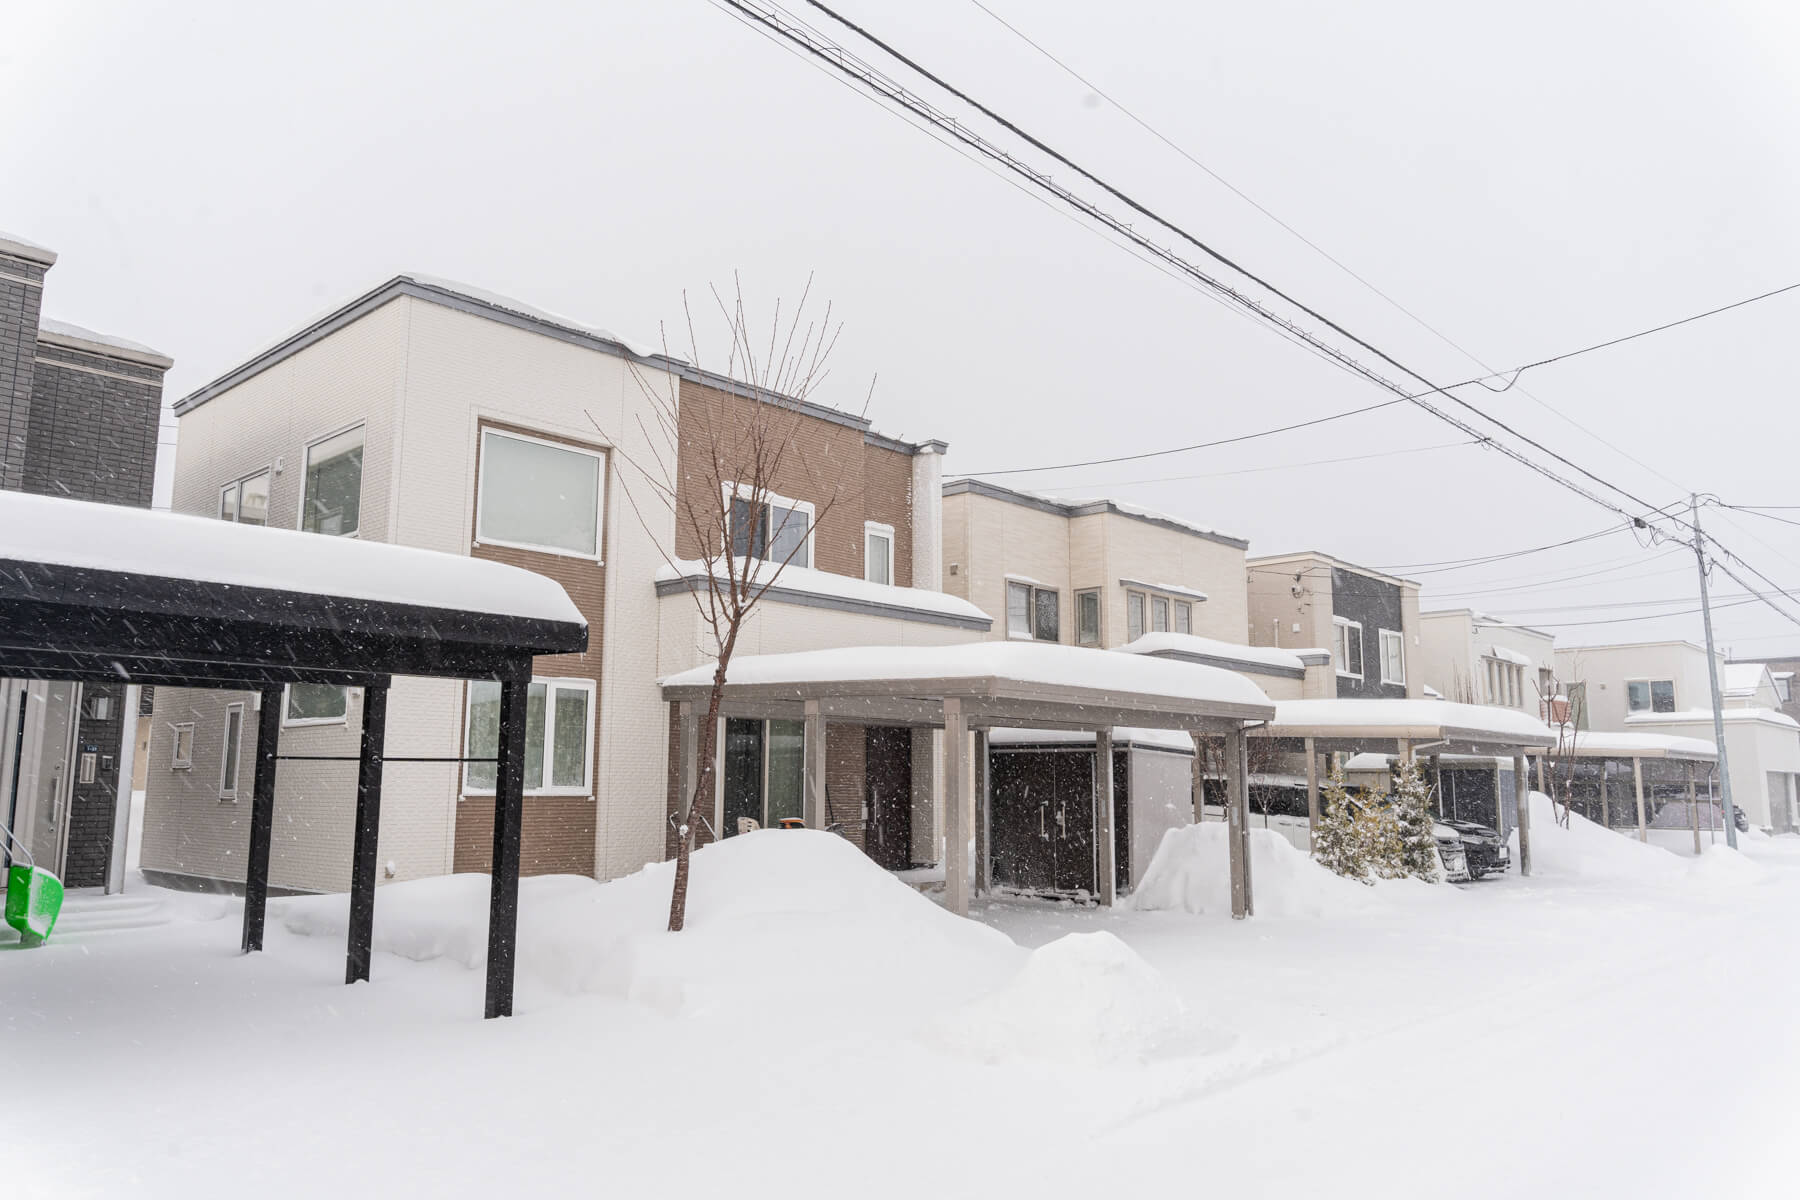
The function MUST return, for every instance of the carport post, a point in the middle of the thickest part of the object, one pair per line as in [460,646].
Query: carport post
[368,833]
[1522,798]
[262,818]
[1312,796]
[1106,854]
[813,810]
[1197,774]
[509,811]
[1605,813]
[956,807]
[1693,806]
[984,829]
[1637,785]
[1238,831]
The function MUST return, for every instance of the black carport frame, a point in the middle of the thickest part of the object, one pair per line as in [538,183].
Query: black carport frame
[62,622]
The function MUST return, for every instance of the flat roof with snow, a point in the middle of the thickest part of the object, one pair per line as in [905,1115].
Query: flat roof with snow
[1258,660]
[1464,727]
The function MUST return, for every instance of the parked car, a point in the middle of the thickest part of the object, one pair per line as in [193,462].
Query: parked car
[1485,851]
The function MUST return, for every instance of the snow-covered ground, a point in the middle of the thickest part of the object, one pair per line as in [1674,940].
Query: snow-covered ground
[1616,1026]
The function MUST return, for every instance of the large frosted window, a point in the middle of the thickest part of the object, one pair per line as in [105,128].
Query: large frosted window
[333,502]
[539,496]
[316,702]
[787,771]
[558,735]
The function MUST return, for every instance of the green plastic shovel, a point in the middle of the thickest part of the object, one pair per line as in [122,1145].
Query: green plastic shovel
[33,896]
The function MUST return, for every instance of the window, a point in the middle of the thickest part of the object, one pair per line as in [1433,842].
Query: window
[1393,657]
[779,529]
[1505,683]
[333,501]
[878,552]
[765,774]
[1578,705]
[1135,603]
[1032,612]
[315,704]
[181,752]
[1159,614]
[1783,688]
[246,501]
[538,495]
[1349,647]
[234,745]
[1087,618]
[1650,695]
[1184,617]
[559,736]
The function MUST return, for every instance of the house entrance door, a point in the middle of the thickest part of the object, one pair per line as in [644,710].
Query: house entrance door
[36,767]
[1041,818]
[887,781]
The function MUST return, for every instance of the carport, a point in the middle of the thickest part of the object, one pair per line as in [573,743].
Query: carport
[968,690]
[1594,752]
[93,592]
[1403,728]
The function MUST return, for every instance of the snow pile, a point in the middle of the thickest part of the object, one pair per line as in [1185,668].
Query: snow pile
[1086,999]
[1721,864]
[779,923]
[1587,850]
[1191,872]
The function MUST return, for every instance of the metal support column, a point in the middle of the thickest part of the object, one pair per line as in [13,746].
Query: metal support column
[509,812]
[984,831]
[1313,815]
[368,833]
[1106,853]
[957,817]
[1238,833]
[1605,804]
[1197,775]
[1693,807]
[1522,796]
[262,818]
[814,804]
[1637,787]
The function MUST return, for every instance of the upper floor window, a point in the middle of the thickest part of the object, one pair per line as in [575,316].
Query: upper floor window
[538,495]
[1184,617]
[1505,683]
[1033,612]
[1136,604]
[1393,657]
[246,500]
[1087,618]
[233,752]
[333,500]
[1348,647]
[559,736]
[1159,614]
[878,552]
[315,704]
[778,529]
[1650,695]
[1578,705]
[1783,688]
[181,749]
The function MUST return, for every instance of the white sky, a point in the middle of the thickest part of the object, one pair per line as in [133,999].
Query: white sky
[1527,178]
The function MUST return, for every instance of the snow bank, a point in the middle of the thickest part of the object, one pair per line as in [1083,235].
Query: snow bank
[1587,850]
[782,925]
[1721,864]
[1087,999]
[1191,873]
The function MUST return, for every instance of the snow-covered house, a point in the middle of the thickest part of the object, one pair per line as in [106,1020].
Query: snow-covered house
[1368,619]
[1476,658]
[1663,687]
[79,412]
[439,416]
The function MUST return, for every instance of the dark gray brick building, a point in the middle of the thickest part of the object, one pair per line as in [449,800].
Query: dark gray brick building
[79,413]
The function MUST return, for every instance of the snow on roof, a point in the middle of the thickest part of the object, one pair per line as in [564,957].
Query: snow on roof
[1394,718]
[111,537]
[1251,657]
[1703,716]
[1627,744]
[1430,692]
[1127,675]
[1069,506]
[103,343]
[844,587]
[1507,654]
[507,303]
[18,247]
[1163,739]
[1741,678]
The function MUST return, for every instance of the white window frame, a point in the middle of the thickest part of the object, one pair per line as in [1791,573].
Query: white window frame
[1032,591]
[288,722]
[551,683]
[877,529]
[1650,683]
[1362,649]
[599,457]
[1168,614]
[306,465]
[743,491]
[228,787]
[1184,615]
[1099,617]
[1143,600]
[238,485]
[176,761]
[1393,637]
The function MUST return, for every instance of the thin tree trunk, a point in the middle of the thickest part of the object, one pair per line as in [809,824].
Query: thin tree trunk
[706,751]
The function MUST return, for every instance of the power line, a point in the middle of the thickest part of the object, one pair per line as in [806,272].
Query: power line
[1317,462]
[1686,612]
[1767,516]
[1459,564]
[1612,604]
[1560,583]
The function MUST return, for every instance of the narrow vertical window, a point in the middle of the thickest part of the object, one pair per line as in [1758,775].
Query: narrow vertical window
[1087,618]
[1159,614]
[1184,617]
[228,766]
[333,499]
[1134,616]
[878,552]
[1018,610]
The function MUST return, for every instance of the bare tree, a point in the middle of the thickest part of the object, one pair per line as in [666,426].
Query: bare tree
[714,464]
[1560,709]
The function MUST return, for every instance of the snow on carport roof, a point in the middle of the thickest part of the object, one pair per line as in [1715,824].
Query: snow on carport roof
[136,541]
[1414,720]
[1607,743]
[1136,678]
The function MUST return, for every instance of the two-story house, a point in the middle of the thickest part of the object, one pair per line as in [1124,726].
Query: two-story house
[1474,658]
[1664,687]
[1118,578]
[79,413]
[1369,620]
[434,415]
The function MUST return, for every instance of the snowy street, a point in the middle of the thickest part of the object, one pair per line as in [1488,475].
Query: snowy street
[1614,1026]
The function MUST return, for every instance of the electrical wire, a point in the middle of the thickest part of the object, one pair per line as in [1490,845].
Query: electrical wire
[1460,564]
[1317,462]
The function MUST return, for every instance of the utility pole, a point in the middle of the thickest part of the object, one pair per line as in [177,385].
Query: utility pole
[1712,672]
